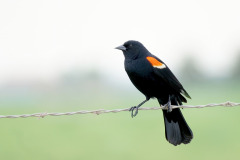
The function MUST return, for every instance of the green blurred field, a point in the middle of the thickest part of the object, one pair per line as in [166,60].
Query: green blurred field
[118,136]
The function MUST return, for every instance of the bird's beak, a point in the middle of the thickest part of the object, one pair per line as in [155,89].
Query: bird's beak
[121,48]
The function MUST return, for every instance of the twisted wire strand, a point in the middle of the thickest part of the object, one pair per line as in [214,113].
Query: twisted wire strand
[101,111]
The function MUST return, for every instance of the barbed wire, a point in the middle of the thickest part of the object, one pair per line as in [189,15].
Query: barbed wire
[101,111]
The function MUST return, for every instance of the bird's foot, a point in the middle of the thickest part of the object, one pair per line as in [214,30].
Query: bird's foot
[132,109]
[168,106]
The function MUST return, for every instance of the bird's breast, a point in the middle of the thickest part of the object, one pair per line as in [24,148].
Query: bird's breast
[139,68]
[142,76]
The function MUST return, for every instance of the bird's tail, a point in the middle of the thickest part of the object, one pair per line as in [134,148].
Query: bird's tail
[177,130]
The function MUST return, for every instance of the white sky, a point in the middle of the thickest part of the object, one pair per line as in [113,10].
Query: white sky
[42,39]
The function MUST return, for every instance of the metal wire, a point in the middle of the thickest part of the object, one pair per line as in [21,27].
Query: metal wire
[101,111]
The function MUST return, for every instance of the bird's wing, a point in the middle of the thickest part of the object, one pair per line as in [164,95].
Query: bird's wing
[163,72]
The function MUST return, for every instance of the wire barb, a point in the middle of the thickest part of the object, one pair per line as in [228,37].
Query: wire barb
[101,111]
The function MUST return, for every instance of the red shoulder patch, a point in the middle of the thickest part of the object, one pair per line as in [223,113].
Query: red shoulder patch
[155,63]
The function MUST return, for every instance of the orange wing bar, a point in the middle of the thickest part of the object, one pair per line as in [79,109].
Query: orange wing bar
[154,62]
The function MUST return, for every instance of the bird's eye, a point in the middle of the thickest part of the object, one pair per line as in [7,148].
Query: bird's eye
[128,46]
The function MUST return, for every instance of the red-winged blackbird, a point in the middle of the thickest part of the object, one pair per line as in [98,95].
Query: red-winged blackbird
[154,79]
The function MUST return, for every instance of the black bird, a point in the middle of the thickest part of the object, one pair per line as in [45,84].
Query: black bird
[154,79]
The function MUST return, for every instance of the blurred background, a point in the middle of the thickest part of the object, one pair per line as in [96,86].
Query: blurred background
[59,56]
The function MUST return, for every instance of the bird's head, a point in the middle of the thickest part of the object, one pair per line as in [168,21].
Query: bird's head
[133,49]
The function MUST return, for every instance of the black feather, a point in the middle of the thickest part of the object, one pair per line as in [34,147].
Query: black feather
[177,130]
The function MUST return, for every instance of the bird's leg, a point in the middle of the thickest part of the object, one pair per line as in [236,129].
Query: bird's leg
[136,108]
[168,105]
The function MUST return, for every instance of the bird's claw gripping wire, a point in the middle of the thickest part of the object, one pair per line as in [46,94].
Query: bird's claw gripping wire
[132,110]
[168,105]
[136,108]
